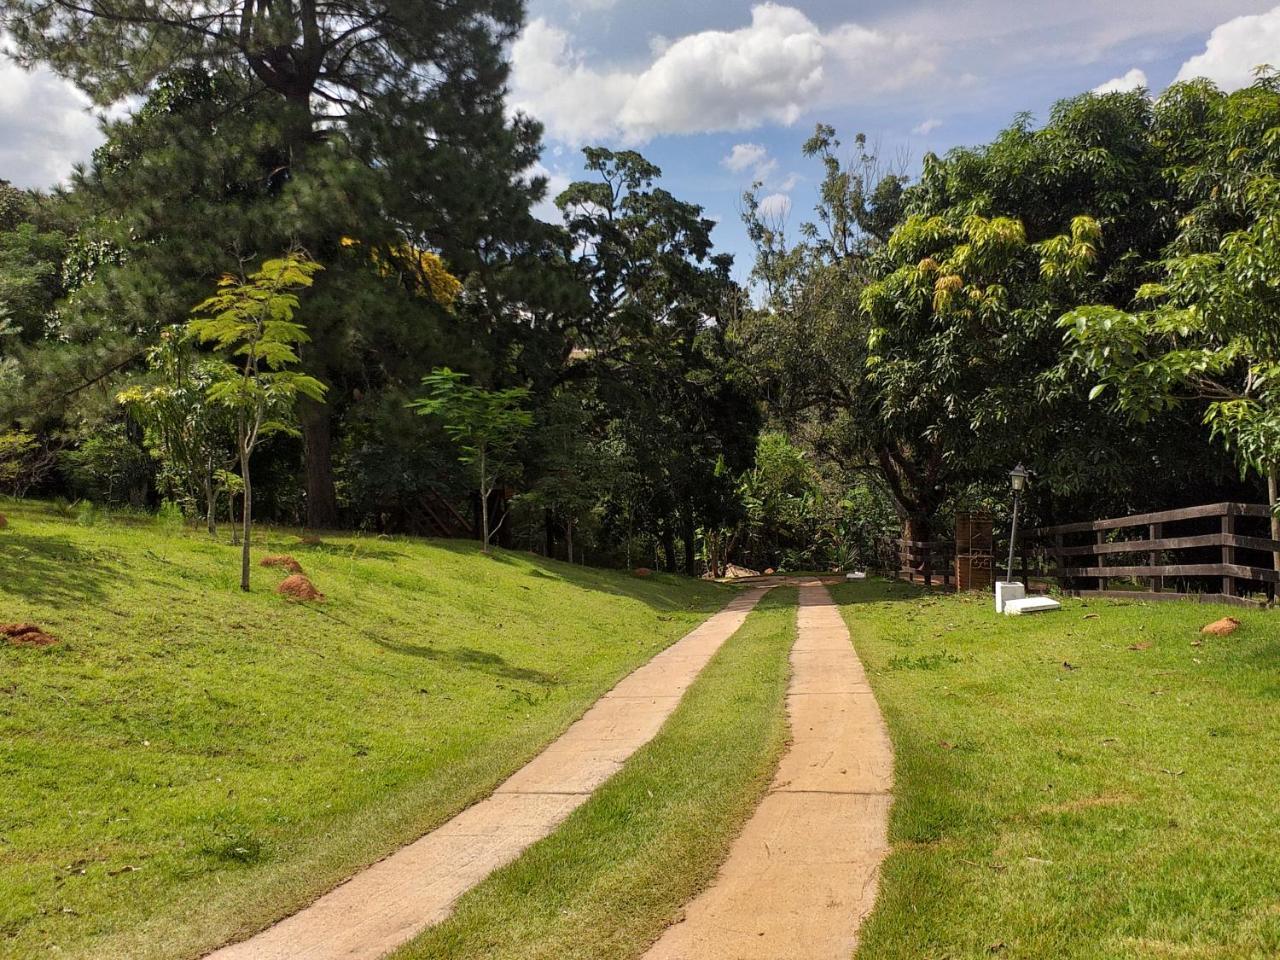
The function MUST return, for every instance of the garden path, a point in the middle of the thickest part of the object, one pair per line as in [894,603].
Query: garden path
[388,903]
[802,876]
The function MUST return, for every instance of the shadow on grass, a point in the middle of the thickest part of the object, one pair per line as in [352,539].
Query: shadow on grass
[468,658]
[52,569]
[655,590]
[879,591]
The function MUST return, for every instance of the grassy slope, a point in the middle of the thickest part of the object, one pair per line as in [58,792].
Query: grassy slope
[606,884]
[190,762]
[1123,808]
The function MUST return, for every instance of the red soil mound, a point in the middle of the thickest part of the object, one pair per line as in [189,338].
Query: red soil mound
[642,572]
[26,635]
[298,587]
[282,560]
[4,521]
[1221,628]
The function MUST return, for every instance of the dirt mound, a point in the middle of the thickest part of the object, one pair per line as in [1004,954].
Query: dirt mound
[4,521]
[1220,628]
[281,560]
[26,635]
[310,540]
[298,587]
[642,572]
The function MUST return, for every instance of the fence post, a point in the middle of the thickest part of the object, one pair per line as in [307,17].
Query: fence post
[928,566]
[1155,532]
[1228,552]
[1059,541]
[1099,538]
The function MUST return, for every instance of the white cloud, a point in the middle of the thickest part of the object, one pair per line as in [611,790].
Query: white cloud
[745,155]
[790,182]
[752,157]
[926,127]
[775,206]
[770,71]
[1235,49]
[1133,80]
[45,126]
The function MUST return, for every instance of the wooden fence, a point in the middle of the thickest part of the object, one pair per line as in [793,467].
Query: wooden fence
[933,562]
[1213,554]
[920,561]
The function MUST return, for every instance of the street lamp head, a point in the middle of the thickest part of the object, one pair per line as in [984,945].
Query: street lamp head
[1018,477]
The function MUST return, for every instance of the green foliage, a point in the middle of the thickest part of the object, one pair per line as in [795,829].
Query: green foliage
[109,466]
[1209,329]
[251,323]
[487,426]
[189,436]
[18,450]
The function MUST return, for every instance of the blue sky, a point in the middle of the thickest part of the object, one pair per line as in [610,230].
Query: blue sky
[687,83]
[721,92]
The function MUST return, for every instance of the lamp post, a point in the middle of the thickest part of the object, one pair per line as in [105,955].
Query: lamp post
[1018,480]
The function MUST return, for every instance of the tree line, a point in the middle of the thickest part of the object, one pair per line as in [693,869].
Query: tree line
[316,225]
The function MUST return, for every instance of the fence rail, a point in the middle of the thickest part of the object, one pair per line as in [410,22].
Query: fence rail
[1236,564]
[922,560]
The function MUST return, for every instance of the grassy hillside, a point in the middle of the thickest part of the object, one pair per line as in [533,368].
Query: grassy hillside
[1095,783]
[188,762]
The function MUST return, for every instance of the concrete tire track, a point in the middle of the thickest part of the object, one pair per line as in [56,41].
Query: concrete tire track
[388,903]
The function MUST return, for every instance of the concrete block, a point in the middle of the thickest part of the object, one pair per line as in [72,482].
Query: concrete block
[1006,591]
[1031,605]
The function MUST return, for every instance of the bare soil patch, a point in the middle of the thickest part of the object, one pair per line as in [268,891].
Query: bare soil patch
[281,560]
[1220,628]
[298,587]
[26,635]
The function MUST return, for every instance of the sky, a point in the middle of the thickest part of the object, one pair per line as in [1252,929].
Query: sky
[722,93]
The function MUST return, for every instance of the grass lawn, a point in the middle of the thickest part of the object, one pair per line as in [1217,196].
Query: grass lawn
[189,762]
[610,880]
[1092,783]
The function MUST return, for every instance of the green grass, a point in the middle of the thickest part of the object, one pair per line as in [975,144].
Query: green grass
[190,763]
[1124,806]
[610,880]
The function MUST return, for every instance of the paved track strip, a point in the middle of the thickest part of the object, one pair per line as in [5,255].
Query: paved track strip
[802,875]
[388,903]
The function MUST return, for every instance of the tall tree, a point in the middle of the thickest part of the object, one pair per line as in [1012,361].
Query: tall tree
[1209,329]
[378,119]
[652,340]
[927,354]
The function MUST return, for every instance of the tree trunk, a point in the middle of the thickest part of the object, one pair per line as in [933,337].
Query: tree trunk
[246,501]
[1273,495]
[915,527]
[316,420]
[568,538]
[210,506]
[484,503]
[690,533]
[549,532]
[668,546]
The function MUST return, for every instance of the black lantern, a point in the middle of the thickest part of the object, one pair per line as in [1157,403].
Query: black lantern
[1018,477]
